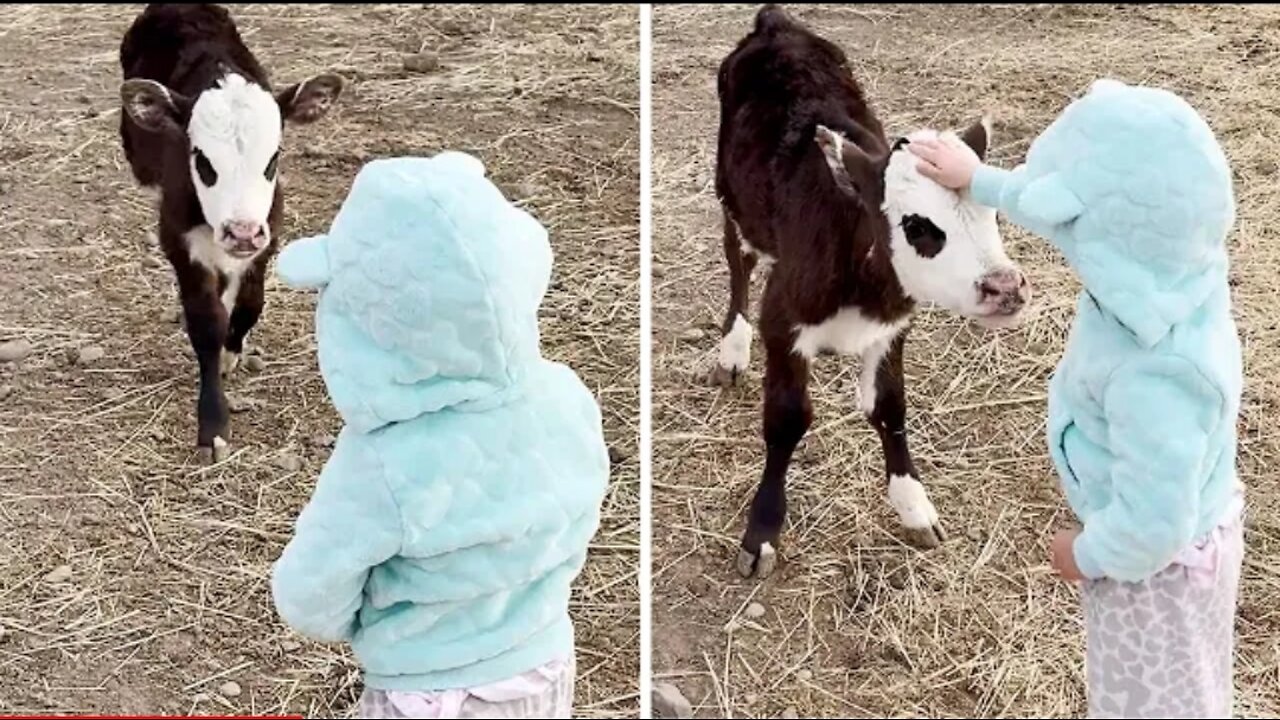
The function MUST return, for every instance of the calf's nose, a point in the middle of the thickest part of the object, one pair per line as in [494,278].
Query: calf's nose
[1005,289]
[246,233]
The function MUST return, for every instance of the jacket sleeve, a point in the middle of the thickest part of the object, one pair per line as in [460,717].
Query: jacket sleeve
[1035,204]
[351,524]
[1160,415]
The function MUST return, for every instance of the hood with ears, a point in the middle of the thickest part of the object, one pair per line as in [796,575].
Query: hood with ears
[1131,185]
[430,282]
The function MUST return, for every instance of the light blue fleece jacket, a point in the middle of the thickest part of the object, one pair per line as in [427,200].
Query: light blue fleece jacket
[1131,186]
[456,509]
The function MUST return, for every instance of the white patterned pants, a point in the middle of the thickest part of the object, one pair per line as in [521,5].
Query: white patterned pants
[546,692]
[1162,648]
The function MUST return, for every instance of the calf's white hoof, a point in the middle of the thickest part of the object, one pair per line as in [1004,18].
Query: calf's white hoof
[759,567]
[916,512]
[220,451]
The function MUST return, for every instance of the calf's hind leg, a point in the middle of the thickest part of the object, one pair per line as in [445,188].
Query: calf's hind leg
[885,404]
[787,415]
[735,341]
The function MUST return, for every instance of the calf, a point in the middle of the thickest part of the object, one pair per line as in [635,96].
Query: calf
[855,236]
[201,125]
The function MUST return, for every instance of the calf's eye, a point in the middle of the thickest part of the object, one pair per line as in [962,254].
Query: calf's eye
[204,168]
[270,172]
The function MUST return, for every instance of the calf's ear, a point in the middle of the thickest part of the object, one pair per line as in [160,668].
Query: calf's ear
[311,99]
[850,167]
[978,137]
[153,106]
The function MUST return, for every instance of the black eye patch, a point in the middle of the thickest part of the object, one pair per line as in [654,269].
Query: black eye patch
[927,238]
[899,144]
[204,169]
[270,172]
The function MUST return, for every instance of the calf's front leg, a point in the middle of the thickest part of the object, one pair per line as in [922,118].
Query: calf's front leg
[207,330]
[885,404]
[787,415]
[246,310]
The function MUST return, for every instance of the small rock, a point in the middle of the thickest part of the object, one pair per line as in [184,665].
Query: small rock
[790,714]
[289,462]
[693,335]
[755,611]
[132,529]
[423,62]
[616,455]
[239,404]
[804,675]
[324,440]
[5,392]
[4,634]
[112,394]
[732,626]
[201,697]
[750,699]
[170,315]
[229,689]
[669,702]
[60,574]
[253,363]
[290,645]
[14,350]
[90,354]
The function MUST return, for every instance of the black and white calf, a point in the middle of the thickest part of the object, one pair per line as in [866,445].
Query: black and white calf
[854,236]
[202,126]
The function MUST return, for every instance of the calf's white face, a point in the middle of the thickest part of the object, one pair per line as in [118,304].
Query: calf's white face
[232,134]
[946,248]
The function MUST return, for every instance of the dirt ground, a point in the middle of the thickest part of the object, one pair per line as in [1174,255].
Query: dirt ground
[855,623]
[133,580]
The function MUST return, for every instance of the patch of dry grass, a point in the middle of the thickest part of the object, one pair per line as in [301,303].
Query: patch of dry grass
[856,623]
[166,596]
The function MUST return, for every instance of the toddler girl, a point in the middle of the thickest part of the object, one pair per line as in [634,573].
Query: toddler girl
[456,509]
[1131,186]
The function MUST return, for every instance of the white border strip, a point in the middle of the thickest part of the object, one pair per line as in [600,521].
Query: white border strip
[646,343]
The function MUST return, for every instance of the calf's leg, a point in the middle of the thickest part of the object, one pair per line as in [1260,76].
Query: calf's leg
[245,311]
[885,405]
[787,415]
[207,330]
[735,341]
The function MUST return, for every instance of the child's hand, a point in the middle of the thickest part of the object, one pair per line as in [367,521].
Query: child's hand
[945,165]
[1062,555]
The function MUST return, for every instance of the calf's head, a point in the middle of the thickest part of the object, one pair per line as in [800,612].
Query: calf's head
[945,248]
[232,134]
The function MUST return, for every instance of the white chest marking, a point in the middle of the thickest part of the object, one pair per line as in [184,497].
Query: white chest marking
[204,251]
[848,332]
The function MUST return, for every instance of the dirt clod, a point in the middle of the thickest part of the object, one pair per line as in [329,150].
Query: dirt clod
[90,354]
[423,62]
[14,350]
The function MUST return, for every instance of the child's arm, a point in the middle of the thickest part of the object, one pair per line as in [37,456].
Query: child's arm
[1160,414]
[351,524]
[1035,204]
